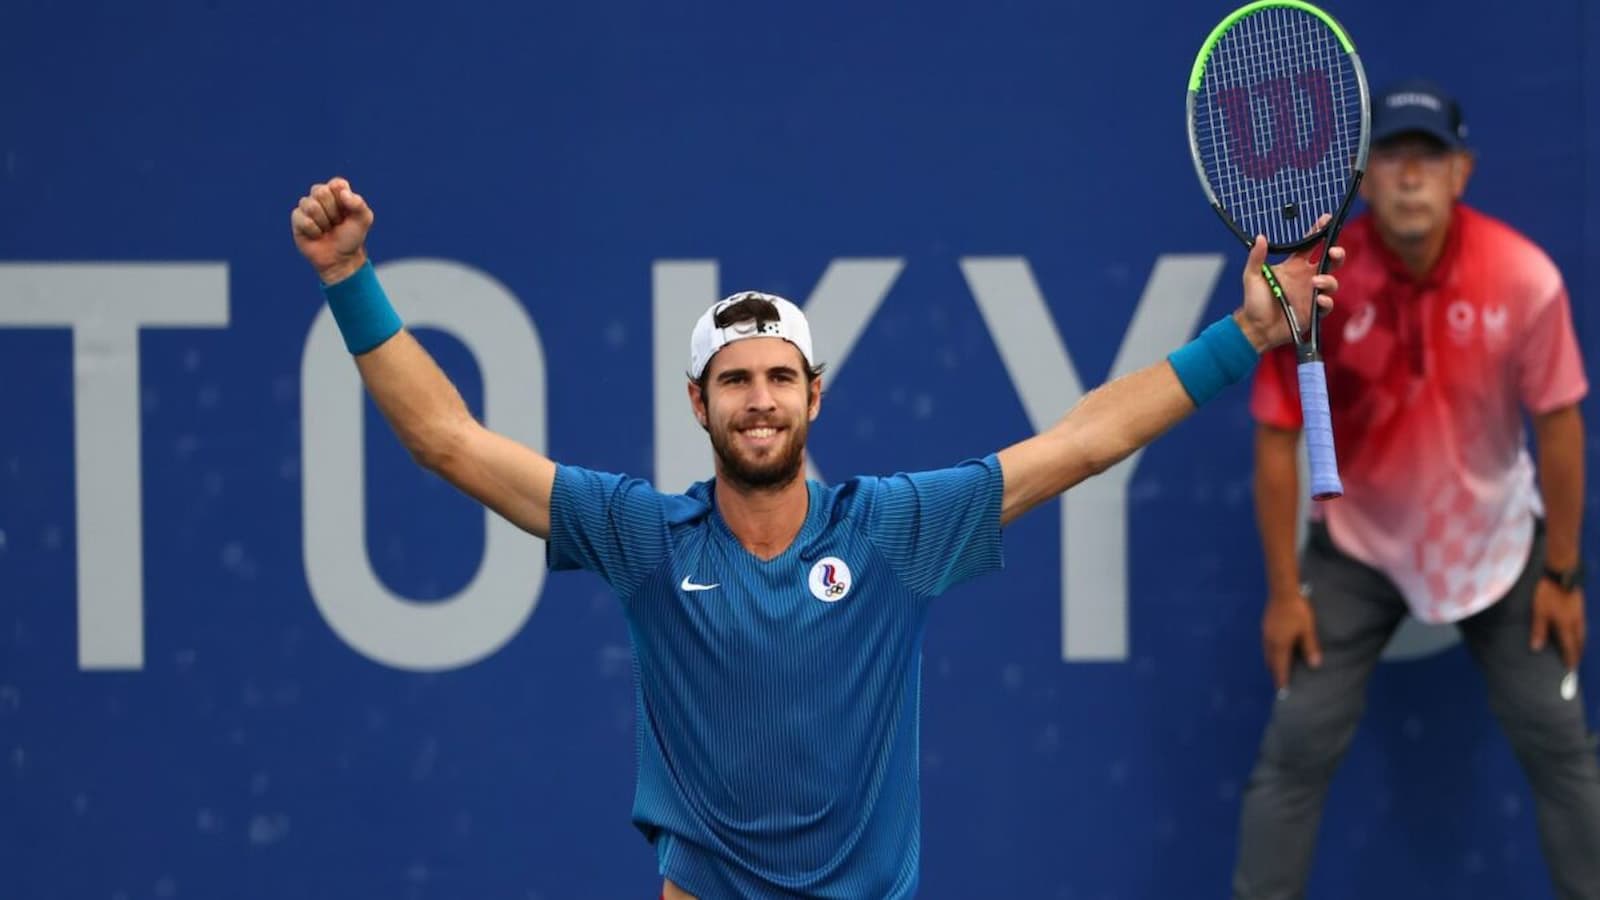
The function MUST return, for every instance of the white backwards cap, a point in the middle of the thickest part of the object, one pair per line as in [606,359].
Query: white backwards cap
[707,338]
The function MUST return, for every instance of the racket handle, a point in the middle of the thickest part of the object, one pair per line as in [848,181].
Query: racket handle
[1325,483]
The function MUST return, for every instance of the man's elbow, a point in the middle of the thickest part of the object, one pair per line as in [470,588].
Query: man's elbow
[1098,452]
[439,449]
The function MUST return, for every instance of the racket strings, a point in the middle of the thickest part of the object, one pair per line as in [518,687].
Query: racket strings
[1279,70]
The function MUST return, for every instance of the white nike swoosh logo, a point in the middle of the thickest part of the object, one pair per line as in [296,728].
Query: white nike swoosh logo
[691,586]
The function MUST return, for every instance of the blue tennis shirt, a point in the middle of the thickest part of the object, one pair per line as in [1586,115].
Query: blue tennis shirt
[778,701]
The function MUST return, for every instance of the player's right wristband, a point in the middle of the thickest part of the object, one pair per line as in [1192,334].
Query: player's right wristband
[362,310]
[1220,356]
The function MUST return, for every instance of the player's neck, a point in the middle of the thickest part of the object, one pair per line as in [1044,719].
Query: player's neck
[765,521]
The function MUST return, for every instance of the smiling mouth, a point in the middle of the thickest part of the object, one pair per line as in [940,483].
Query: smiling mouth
[761,438]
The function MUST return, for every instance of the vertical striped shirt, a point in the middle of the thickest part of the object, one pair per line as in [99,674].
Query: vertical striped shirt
[778,700]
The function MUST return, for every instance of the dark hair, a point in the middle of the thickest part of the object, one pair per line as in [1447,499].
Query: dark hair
[753,307]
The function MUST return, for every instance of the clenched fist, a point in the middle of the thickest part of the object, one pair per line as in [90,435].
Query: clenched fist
[330,226]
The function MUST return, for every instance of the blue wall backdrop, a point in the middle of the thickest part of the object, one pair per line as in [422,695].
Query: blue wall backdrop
[180,719]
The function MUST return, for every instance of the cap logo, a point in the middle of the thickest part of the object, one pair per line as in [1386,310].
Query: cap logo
[747,327]
[1412,98]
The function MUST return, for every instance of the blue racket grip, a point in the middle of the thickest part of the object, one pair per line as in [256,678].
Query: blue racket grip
[1325,483]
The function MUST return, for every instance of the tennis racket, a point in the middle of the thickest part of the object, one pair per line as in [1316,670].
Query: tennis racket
[1278,128]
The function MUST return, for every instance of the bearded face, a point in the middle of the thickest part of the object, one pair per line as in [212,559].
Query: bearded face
[757,407]
[760,453]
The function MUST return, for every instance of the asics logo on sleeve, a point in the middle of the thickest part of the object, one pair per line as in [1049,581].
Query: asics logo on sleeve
[1357,326]
[691,586]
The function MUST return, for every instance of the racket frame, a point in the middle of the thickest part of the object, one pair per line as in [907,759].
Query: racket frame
[1307,341]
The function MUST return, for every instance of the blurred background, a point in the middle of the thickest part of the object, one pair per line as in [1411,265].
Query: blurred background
[245,653]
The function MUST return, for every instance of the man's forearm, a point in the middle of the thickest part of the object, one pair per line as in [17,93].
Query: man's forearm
[415,396]
[1107,425]
[1561,476]
[1118,418]
[1115,419]
[1277,485]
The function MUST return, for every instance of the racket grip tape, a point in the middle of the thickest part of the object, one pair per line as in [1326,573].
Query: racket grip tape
[1325,484]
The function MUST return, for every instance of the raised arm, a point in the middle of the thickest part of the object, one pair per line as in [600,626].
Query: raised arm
[330,226]
[1115,419]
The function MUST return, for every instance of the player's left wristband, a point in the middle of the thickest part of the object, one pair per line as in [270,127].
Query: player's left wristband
[362,310]
[1220,356]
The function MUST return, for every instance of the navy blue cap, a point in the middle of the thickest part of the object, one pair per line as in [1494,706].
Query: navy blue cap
[1418,107]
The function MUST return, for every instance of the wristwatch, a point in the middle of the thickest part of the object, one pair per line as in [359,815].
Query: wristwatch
[1566,579]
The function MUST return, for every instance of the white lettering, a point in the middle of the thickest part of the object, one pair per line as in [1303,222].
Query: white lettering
[105,305]
[1094,514]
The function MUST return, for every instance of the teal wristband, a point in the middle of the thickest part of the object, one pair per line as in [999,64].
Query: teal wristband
[1220,356]
[362,310]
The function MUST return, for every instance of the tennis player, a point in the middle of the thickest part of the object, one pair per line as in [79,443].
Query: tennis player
[776,622]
